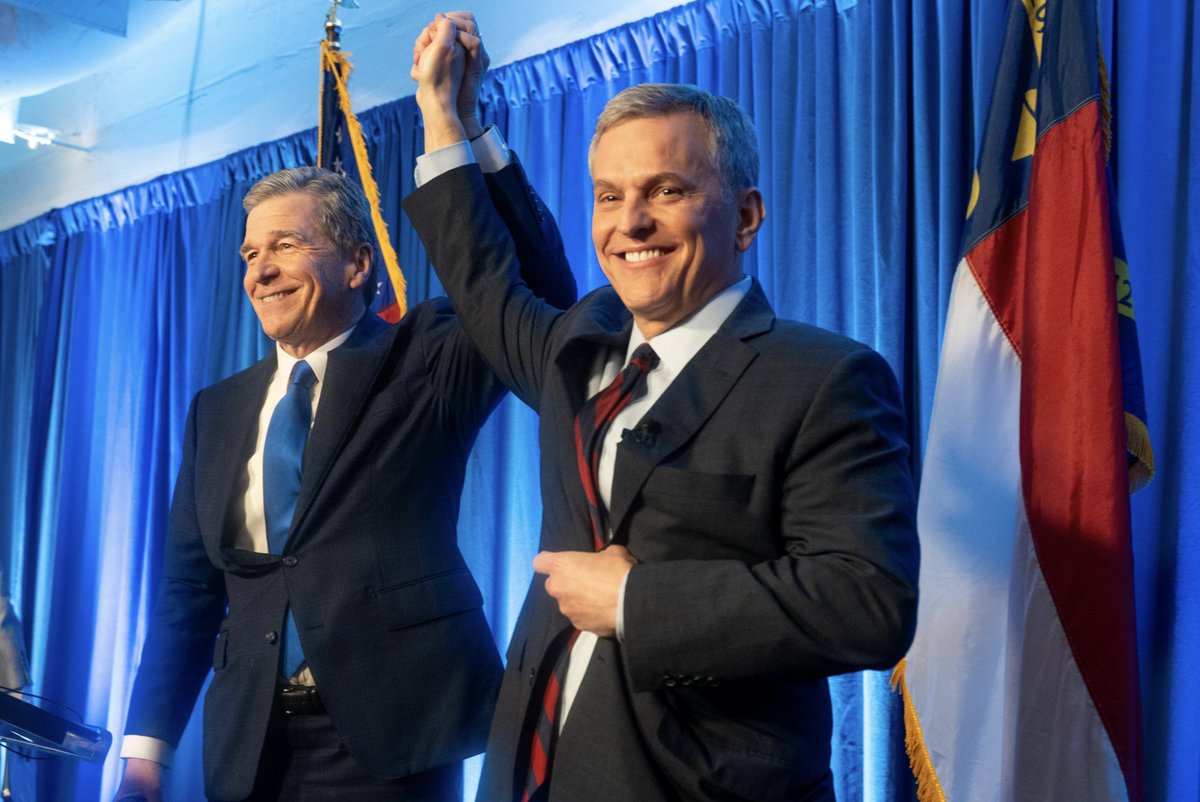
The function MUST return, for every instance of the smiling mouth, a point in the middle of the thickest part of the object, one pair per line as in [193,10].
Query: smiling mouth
[275,296]
[642,256]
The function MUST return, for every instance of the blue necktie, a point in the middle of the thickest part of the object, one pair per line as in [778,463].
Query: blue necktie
[282,457]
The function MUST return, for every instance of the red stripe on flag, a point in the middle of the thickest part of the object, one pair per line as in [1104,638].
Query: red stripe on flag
[1048,275]
[392,312]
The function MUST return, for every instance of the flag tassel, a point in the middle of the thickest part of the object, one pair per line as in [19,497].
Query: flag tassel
[929,788]
[1141,466]
[338,63]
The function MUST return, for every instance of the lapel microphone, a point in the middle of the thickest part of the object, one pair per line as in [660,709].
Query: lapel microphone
[644,434]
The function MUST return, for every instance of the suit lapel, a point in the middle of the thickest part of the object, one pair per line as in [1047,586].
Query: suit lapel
[590,337]
[223,448]
[349,374]
[689,401]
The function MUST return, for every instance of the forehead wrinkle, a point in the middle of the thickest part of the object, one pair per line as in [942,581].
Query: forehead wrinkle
[276,234]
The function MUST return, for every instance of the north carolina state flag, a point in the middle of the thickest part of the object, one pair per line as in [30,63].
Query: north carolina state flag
[1022,683]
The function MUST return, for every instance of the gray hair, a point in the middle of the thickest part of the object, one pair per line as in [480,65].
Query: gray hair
[733,142]
[343,216]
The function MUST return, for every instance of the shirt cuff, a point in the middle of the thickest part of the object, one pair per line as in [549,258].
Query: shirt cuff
[146,748]
[489,151]
[621,608]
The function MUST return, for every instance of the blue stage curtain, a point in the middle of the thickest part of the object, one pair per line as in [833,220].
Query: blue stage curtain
[116,310]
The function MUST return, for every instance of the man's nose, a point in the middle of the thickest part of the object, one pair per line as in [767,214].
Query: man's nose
[263,268]
[635,220]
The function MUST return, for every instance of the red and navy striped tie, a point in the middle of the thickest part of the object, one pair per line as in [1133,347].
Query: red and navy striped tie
[591,425]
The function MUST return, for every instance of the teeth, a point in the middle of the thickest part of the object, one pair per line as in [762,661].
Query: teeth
[641,256]
[274,296]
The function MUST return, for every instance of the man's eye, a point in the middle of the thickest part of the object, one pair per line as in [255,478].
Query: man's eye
[607,198]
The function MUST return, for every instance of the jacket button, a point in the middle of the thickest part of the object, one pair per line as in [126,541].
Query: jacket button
[272,637]
[669,682]
[532,676]
[290,560]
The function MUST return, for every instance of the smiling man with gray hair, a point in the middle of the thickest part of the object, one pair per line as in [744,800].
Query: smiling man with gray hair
[312,560]
[728,512]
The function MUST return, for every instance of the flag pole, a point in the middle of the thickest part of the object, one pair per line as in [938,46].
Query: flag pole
[333,26]
[335,72]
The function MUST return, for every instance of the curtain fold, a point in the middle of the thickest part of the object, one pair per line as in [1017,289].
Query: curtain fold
[116,310]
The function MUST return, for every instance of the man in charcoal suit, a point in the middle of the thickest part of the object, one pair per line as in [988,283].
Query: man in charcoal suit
[728,516]
[311,560]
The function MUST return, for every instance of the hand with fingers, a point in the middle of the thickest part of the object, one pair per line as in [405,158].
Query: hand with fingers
[449,62]
[439,62]
[142,782]
[586,585]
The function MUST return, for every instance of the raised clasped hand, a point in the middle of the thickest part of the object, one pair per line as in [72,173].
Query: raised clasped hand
[449,62]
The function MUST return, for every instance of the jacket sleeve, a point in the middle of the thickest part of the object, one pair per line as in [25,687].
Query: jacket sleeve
[496,249]
[177,654]
[538,244]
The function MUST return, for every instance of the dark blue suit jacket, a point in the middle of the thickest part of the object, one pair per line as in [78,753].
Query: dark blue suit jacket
[768,500]
[389,616]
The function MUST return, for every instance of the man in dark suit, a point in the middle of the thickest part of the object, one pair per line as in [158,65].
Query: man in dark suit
[725,525]
[395,674]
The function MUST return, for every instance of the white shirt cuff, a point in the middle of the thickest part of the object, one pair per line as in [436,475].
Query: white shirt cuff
[621,608]
[489,150]
[147,748]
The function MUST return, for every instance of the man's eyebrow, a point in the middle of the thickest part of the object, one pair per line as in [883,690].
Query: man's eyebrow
[667,176]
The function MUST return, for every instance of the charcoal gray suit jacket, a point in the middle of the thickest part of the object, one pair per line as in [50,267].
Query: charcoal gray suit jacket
[768,499]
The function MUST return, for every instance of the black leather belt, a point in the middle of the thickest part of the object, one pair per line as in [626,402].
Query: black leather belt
[297,700]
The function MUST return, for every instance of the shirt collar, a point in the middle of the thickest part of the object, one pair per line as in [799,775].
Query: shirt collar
[677,345]
[317,360]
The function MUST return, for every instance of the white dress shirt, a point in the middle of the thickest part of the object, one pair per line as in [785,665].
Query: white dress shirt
[675,347]
[252,536]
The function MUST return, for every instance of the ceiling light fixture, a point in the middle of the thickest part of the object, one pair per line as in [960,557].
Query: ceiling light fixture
[38,135]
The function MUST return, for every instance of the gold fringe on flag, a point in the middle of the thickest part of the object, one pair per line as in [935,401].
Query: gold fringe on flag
[1141,466]
[929,788]
[338,63]
[1137,435]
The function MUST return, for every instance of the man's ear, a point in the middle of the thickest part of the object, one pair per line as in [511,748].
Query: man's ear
[362,265]
[751,213]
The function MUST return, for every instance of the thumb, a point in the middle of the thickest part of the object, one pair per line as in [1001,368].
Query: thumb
[544,562]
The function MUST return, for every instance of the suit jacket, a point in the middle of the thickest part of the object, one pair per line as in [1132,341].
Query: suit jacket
[768,500]
[389,617]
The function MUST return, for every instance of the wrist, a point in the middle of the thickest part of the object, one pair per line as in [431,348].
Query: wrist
[472,127]
[442,127]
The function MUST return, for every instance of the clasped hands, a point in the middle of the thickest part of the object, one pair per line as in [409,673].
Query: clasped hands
[449,61]
[586,585]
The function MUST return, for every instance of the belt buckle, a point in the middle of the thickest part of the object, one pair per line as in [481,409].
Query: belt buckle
[299,699]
